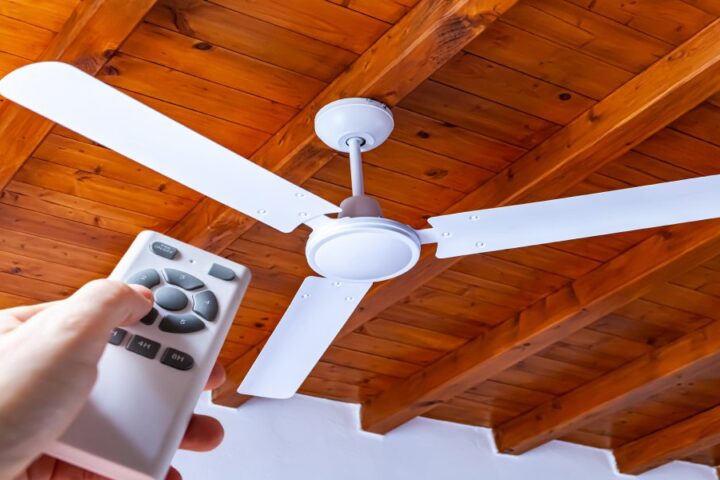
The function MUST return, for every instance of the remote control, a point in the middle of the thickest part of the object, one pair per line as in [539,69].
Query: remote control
[152,373]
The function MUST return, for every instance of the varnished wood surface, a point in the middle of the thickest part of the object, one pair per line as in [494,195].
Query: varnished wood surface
[592,88]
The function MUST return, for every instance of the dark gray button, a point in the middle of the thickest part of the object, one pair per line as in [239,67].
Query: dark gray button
[164,250]
[147,278]
[170,298]
[223,273]
[143,346]
[149,319]
[205,304]
[182,279]
[117,336]
[181,324]
[177,359]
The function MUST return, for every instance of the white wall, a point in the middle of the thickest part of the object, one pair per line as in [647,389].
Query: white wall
[310,438]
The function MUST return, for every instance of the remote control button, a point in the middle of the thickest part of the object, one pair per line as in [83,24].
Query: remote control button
[181,324]
[223,273]
[177,359]
[143,346]
[117,336]
[164,250]
[205,304]
[170,298]
[149,319]
[182,279]
[147,278]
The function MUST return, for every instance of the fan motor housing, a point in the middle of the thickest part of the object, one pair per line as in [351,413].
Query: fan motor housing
[363,249]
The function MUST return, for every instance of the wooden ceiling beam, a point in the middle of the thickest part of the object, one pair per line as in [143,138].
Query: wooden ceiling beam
[406,55]
[620,389]
[675,442]
[89,38]
[410,52]
[625,278]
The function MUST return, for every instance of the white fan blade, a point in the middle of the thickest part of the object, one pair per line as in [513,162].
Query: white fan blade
[317,313]
[577,217]
[80,102]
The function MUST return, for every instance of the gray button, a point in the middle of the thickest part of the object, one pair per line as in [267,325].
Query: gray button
[149,319]
[223,273]
[164,250]
[147,278]
[117,336]
[143,346]
[181,324]
[170,298]
[177,359]
[205,304]
[182,279]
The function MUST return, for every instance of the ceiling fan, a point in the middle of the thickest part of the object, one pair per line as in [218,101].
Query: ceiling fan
[358,247]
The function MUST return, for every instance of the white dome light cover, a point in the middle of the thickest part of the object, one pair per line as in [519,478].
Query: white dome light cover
[363,249]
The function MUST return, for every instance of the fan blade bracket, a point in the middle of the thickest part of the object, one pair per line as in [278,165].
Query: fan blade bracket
[80,102]
[427,235]
[319,221]
[455,235]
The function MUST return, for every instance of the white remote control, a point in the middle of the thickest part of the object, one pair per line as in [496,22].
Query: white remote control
[152,373]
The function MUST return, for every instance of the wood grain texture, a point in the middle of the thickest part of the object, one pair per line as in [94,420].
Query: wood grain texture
[677,441]
[622,388]
[88,39]
[610,129]
[408,53]
[571,308]
[237,71]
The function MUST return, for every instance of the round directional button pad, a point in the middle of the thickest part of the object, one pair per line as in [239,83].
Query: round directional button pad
[170,298]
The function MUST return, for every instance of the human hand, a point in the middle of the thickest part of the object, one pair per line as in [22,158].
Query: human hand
[50,353]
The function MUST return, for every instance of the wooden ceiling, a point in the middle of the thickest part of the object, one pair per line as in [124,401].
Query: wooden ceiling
[612,341]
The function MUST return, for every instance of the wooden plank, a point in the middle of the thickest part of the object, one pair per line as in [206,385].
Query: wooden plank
[101,161]
[23,39]
[586,31]
[48,14]
[78,209]
[576,306]
[386,10]
[255,38]
[33,246]
[316,19]
[610,393]
[677,441]
[549,61]
[448,139]
[75,233]
[407,54]
[91,186]
[509,87]
[91,35]
[478,115]
[668,20]
[195,93]
[8,63]
[208,61]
